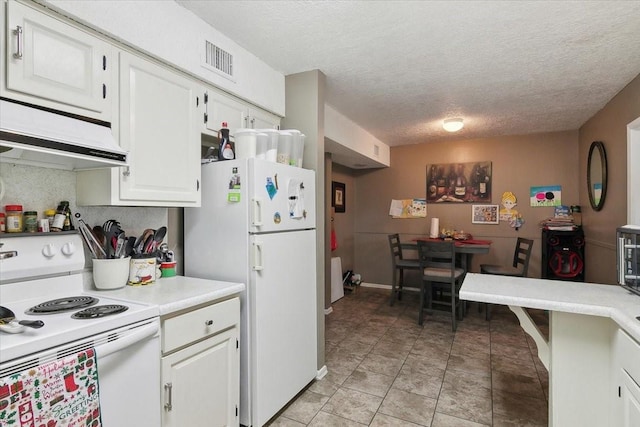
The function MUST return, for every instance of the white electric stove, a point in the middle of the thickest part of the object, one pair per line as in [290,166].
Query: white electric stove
[44,272]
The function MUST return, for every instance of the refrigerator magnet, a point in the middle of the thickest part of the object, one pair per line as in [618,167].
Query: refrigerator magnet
[271,188]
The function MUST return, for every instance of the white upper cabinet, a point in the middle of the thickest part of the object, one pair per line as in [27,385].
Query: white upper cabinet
[55,65]
[259,119]
[157,126]
[222,108]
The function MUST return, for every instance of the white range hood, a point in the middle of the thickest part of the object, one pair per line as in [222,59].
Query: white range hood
[36,137]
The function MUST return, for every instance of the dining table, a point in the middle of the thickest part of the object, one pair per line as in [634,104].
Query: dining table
[466,247]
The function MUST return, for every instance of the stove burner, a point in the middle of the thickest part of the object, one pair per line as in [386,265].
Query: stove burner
[62,304]
[99,311]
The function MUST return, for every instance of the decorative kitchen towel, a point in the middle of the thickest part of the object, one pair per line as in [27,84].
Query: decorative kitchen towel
[63,392]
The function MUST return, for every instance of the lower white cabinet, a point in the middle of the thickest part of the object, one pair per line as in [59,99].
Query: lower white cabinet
[626,374]
[201,367]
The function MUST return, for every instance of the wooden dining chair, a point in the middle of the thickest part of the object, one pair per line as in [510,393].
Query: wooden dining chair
[439,273]
[519,267]
[399,264]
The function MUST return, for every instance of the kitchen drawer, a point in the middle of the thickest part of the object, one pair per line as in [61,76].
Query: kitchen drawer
[198,324]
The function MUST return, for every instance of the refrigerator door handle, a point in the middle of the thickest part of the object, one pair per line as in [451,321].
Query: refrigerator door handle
[256,256]
[256,217]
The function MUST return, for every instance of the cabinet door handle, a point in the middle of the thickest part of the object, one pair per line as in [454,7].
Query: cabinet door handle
[18,33]
[208,322]
[168,387]
[104,91]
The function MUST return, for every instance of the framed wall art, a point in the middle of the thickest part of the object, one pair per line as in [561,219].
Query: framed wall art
[459,182]
[338,200]
[485,214]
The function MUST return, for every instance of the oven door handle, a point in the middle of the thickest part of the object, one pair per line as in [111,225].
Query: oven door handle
[122,343]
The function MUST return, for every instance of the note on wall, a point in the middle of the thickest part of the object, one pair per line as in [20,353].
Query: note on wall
[408,208]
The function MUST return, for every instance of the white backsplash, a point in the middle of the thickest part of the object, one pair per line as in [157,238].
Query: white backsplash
[38,189]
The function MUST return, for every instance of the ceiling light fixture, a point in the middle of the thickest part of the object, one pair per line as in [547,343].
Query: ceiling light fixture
[453,125]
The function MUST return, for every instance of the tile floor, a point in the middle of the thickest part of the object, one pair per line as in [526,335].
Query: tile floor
[386,370]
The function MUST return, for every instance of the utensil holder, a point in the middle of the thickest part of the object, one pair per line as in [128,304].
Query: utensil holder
[110,273]
[142,271]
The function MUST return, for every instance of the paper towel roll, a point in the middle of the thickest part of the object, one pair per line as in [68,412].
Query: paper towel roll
[435,227]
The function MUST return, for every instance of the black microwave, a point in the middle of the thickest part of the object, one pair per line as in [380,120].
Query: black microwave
[628,253]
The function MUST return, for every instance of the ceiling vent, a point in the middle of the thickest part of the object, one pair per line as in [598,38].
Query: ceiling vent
[218,59]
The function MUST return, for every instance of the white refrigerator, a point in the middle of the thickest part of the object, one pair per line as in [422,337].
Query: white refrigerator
[257,226]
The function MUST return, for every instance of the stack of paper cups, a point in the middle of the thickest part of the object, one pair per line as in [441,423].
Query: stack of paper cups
[435,227]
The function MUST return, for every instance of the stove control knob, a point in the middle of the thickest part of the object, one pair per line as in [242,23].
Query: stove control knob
[69,248]
[49,250]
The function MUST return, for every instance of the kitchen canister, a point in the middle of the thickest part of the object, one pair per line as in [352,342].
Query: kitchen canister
[142,271]
[297,151]
[261,145]
[168,269]
[110,273]
[246,142]
[284,147]
[272,144]
[295,141]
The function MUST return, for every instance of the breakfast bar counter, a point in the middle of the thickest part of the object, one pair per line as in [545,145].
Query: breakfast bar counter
[592,299]
[593,348]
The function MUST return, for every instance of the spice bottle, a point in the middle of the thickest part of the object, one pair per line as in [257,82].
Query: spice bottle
[67,220]
[60,217]
[2,222]
[50,215]
[14,218]
[31,221]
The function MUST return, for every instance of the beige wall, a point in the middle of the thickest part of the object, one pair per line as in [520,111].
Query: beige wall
[343,223]
[305,112]
[518,162]
[609,125]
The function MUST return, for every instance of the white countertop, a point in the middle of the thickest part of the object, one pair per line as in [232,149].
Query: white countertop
[173,294]
[592,299]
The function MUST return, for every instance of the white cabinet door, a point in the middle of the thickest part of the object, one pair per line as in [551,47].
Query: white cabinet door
[259,119]
[625,406]
[238,115]
[201,383]
[53,64]
[221,108]
[158,128]
[630,395]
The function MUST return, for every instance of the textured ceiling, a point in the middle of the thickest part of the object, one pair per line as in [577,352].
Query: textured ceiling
[398,68]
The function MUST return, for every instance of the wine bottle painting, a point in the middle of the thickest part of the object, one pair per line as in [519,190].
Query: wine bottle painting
[459,182]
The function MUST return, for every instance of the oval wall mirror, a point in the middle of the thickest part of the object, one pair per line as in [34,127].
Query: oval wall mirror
[597,175]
